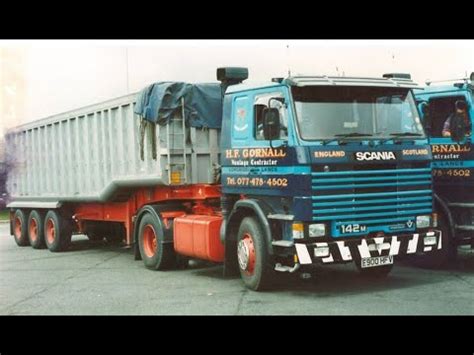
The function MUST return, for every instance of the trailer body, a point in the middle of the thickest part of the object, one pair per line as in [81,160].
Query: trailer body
[93,155]
[312,170]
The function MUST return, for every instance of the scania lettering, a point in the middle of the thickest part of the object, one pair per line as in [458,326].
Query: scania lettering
[375,156]
[279,177]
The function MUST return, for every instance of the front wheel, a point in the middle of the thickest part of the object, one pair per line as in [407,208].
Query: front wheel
[254,261]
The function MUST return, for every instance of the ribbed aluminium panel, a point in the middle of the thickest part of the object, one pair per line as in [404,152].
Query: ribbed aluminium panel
[371,197]
[93,153]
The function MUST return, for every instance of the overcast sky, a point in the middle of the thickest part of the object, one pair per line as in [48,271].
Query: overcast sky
[63,75]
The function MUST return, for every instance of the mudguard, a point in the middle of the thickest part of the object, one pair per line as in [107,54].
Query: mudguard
[155,210]
[447,212]
[260,209]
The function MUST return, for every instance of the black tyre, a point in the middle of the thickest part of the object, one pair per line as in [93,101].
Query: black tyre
[155,254]
[256,268]
[36,229]
[443,257]
[57,231]
[20,229]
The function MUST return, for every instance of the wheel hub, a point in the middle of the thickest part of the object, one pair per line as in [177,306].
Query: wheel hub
[33,229]
[150,244]
[50,231]
[17,227]
[246,254]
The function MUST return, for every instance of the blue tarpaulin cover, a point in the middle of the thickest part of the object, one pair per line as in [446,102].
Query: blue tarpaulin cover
[202,103]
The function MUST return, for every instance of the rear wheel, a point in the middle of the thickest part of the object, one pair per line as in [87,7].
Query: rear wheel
[36,230]
[254,262]
[57,231]
[20,229]
[155,254]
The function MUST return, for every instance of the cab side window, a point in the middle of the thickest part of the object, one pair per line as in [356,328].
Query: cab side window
[439,110]
[275,100]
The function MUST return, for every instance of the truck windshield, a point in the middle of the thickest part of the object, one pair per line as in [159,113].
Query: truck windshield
[365,112]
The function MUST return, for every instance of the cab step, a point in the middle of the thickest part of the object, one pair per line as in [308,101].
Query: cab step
[465,227]
[461,204]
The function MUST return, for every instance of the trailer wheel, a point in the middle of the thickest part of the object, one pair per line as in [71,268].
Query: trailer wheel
[20,232]
[36,230]
[57,231]
[155,254]
[254,262]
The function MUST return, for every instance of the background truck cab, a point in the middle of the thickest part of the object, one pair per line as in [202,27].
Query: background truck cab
[453,163]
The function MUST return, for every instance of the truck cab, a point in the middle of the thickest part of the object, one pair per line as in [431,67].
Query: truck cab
[453,160]
[330,169]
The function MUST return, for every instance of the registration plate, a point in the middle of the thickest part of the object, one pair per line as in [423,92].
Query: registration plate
[376,261]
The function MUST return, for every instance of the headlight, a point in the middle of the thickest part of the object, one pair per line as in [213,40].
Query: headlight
[317,230]
[298,230]
[423,221]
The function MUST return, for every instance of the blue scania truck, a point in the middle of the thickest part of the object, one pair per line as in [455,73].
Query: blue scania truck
[453,163]
[320,170]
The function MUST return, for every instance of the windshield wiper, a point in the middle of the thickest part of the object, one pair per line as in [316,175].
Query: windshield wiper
[400,134]
[353,134]
[406,134]
[346,135]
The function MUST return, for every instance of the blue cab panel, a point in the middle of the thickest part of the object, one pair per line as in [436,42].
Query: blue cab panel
[377,185]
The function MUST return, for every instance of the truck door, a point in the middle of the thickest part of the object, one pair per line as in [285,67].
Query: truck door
[254,164]
[451,158]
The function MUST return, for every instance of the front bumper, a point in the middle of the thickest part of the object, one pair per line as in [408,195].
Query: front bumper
[355,249]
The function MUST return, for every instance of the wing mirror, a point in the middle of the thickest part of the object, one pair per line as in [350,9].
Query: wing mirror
[271,123]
